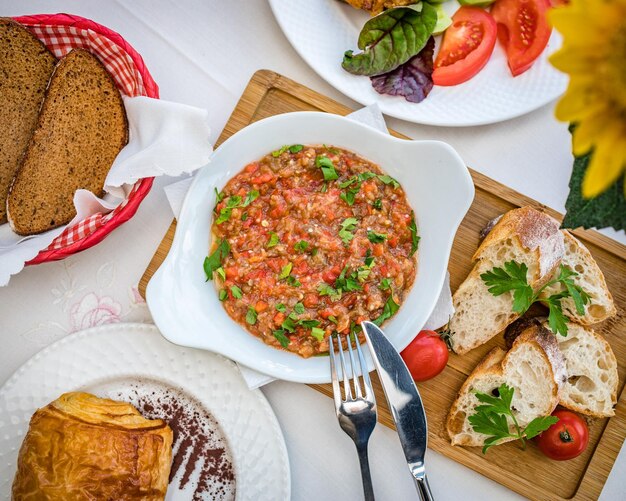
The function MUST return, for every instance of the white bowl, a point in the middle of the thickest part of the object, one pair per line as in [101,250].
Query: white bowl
[186,308]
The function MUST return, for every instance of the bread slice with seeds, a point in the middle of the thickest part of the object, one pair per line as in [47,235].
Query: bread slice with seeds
[533,367]
[25,69]
[522,235]
[81,129]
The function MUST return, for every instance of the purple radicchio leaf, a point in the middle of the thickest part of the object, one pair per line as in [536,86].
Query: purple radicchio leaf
[413,79]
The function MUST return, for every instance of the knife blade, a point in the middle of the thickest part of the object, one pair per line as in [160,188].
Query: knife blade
[404,402]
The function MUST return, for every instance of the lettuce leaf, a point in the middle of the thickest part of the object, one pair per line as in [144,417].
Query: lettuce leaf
[391,39]
[412,80]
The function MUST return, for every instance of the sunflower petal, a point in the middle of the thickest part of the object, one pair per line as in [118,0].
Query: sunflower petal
[606,164]
[587,133]
[578,103]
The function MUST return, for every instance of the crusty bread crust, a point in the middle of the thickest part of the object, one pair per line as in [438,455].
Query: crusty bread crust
[81,129]
[496,367]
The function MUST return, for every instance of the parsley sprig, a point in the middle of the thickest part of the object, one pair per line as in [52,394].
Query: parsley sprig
[492,419]
[214,261]
[346,233]
[235,202]
[513,278]
[327,166]
[294,148]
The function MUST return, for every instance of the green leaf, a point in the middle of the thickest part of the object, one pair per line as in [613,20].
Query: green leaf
[221,273]
[389,180]
[347,227]
[490,423]
[327,166]
[391,39]
[326,290]
[236,292]
[378,204]
[556,319]
[289,324]
[214,261]
[280,151]
[244,216]
[349,196]
[273,241]
[376,238]
[250,197]
[537,425]
[282,339]
[286,271]
[385,284]
[578,295]
[301,246]
[511,278]
[605,210]
[389,310]
[251,316]
[281,307]
[295,148]
[223,295]
[298,308]
[415,240]
[293,281]
[309,324]
[318,333]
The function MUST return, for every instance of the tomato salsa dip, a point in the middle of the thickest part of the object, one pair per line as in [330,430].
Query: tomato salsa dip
[308,241]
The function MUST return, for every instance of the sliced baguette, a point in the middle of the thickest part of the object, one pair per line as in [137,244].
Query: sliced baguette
[81,129]
[25,69]
[533,367]
[523,235]
[590,278]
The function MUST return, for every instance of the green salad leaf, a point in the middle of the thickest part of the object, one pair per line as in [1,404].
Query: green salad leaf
[391,39]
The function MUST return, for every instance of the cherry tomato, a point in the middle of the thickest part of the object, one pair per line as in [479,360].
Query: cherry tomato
[523,30]
[566,439]
[426,356]
[466,47]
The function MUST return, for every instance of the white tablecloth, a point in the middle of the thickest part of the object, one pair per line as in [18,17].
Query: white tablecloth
[203,53]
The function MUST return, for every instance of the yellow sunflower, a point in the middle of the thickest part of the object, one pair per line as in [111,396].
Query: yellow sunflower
[594,56]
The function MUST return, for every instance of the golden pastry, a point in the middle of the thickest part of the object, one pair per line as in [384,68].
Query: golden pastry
[84,447]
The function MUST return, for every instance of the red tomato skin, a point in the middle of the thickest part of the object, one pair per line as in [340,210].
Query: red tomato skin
[426,356]
[555,441]
[475,57]
[522,46]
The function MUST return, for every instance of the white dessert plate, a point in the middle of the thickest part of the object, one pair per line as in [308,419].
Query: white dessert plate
[186,307]
[134,363]
[322,30]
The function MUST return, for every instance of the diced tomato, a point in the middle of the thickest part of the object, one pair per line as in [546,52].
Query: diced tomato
[260,306]
[275,263]
[262,178]
[301,268]
[347,160]
[311,300]
[523,30]
[369,187]
[330,275]
[251,167]
[466,47]
[378,250]
[232,272]
[279,318]
[393,241]
[327,312]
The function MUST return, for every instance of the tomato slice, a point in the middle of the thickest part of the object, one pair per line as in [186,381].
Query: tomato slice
[466,47]
[523,30]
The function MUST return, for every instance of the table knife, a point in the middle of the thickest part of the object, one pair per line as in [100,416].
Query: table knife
[404,401]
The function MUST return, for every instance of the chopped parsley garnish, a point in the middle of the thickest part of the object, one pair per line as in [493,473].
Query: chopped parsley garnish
[385,284]
[244,216]
[332,150]
[347,228]
[333,319]
[286,271]
[273,241]
[293,281]
[376,238]
[415,240]
[298,308]
[221,273]
[294,148]
[369,259]
[349,195]
[326,290]
[282,339]
[219,196]
[214,261]
[513,278]
[327,166]
[349,283]
[223,295]
[301,246]
[235,202]
[389,180]
[491,418]
[309,324]
[281,307]
[236,292]
[318,333]
[314,251]
[378,204]
[251,316]
[389,310]
[324,188]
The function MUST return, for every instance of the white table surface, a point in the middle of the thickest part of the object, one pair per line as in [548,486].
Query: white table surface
[203,53]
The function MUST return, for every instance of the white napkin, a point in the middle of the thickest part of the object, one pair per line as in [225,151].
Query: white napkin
[372,116]
[164,139]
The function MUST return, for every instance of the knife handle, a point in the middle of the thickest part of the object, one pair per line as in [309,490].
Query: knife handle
[423,489]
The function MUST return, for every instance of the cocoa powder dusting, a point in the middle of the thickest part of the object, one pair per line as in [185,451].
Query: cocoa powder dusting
[200,452]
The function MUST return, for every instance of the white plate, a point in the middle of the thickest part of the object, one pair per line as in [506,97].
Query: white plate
[322,30]
[186,308]
[127,358]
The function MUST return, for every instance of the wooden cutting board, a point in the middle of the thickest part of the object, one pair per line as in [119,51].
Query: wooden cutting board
[525,471]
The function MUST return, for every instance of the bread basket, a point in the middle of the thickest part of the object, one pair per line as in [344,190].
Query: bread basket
[60,33]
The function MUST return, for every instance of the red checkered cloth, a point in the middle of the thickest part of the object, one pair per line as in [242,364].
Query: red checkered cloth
[61,33]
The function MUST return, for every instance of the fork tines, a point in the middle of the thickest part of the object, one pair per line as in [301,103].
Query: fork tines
[355,373]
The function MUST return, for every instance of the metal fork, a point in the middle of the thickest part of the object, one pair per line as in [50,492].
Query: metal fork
[357,414]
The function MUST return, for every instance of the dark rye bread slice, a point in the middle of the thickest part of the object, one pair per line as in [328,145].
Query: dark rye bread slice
[81,129]
[25,69]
